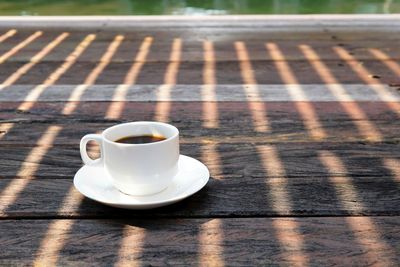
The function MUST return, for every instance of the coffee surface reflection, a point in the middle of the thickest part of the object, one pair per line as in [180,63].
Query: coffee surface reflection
[141,139]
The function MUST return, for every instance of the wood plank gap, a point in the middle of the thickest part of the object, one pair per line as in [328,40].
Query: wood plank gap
[149,216]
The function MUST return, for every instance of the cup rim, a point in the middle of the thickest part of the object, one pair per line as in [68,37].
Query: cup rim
[103,134]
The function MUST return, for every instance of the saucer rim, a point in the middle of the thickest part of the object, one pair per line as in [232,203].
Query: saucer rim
[148,205]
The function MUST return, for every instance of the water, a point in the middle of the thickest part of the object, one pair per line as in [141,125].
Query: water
[196,7]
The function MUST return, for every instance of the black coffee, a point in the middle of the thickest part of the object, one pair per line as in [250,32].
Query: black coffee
[141,139]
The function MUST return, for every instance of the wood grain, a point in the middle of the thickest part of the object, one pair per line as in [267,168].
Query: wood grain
[192,50]
[260,241]
[235,123]
[284,131]
[227,69]
[275,198]
[190,92]
[237,160]
[227,72]
[220,198]
[236,111]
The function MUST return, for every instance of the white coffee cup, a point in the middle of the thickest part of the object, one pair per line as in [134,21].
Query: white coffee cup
[136,169]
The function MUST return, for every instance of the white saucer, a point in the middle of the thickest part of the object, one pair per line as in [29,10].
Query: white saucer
[93,183]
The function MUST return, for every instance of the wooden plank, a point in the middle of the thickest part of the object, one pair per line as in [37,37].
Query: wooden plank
[227,72]
[357,42]
[235,160]
[233,121]
[255,241]
[281,173]
[223,93]
[192,112]
[29,51]
[222,197]
[192,48]
[285,130]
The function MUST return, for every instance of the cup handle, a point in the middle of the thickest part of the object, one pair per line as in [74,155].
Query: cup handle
[85,157]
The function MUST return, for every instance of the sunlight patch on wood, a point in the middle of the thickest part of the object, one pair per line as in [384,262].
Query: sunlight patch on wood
[57,232]
[117,105]
[393,165]
[366,232]
[35,93]
[291,241]
[4,128]
[273,167]
[34,60]
[52,243]
[131,248]
[386,60]
[209,98]
[29,167]
[7,35]
[19,46]
[163,106]
[256,106]
[211,157]
[365,76]
[93,75]
[345,189]
[359,118]
[370,239]
[211,251]
[305,108]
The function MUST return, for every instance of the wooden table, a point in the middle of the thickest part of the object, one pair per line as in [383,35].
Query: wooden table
[297,120]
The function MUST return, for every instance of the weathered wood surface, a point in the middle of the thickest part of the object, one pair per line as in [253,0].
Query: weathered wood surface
[192,56]
[234,122]
[221,93]
[194,132]
[194,111]
[232,160]
[192,48]
[285,172]
[227,72]
[223,196]
[260,241]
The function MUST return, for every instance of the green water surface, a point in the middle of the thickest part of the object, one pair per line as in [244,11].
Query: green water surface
[195,7]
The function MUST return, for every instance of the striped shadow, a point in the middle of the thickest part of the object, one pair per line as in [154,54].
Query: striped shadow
[223,93]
